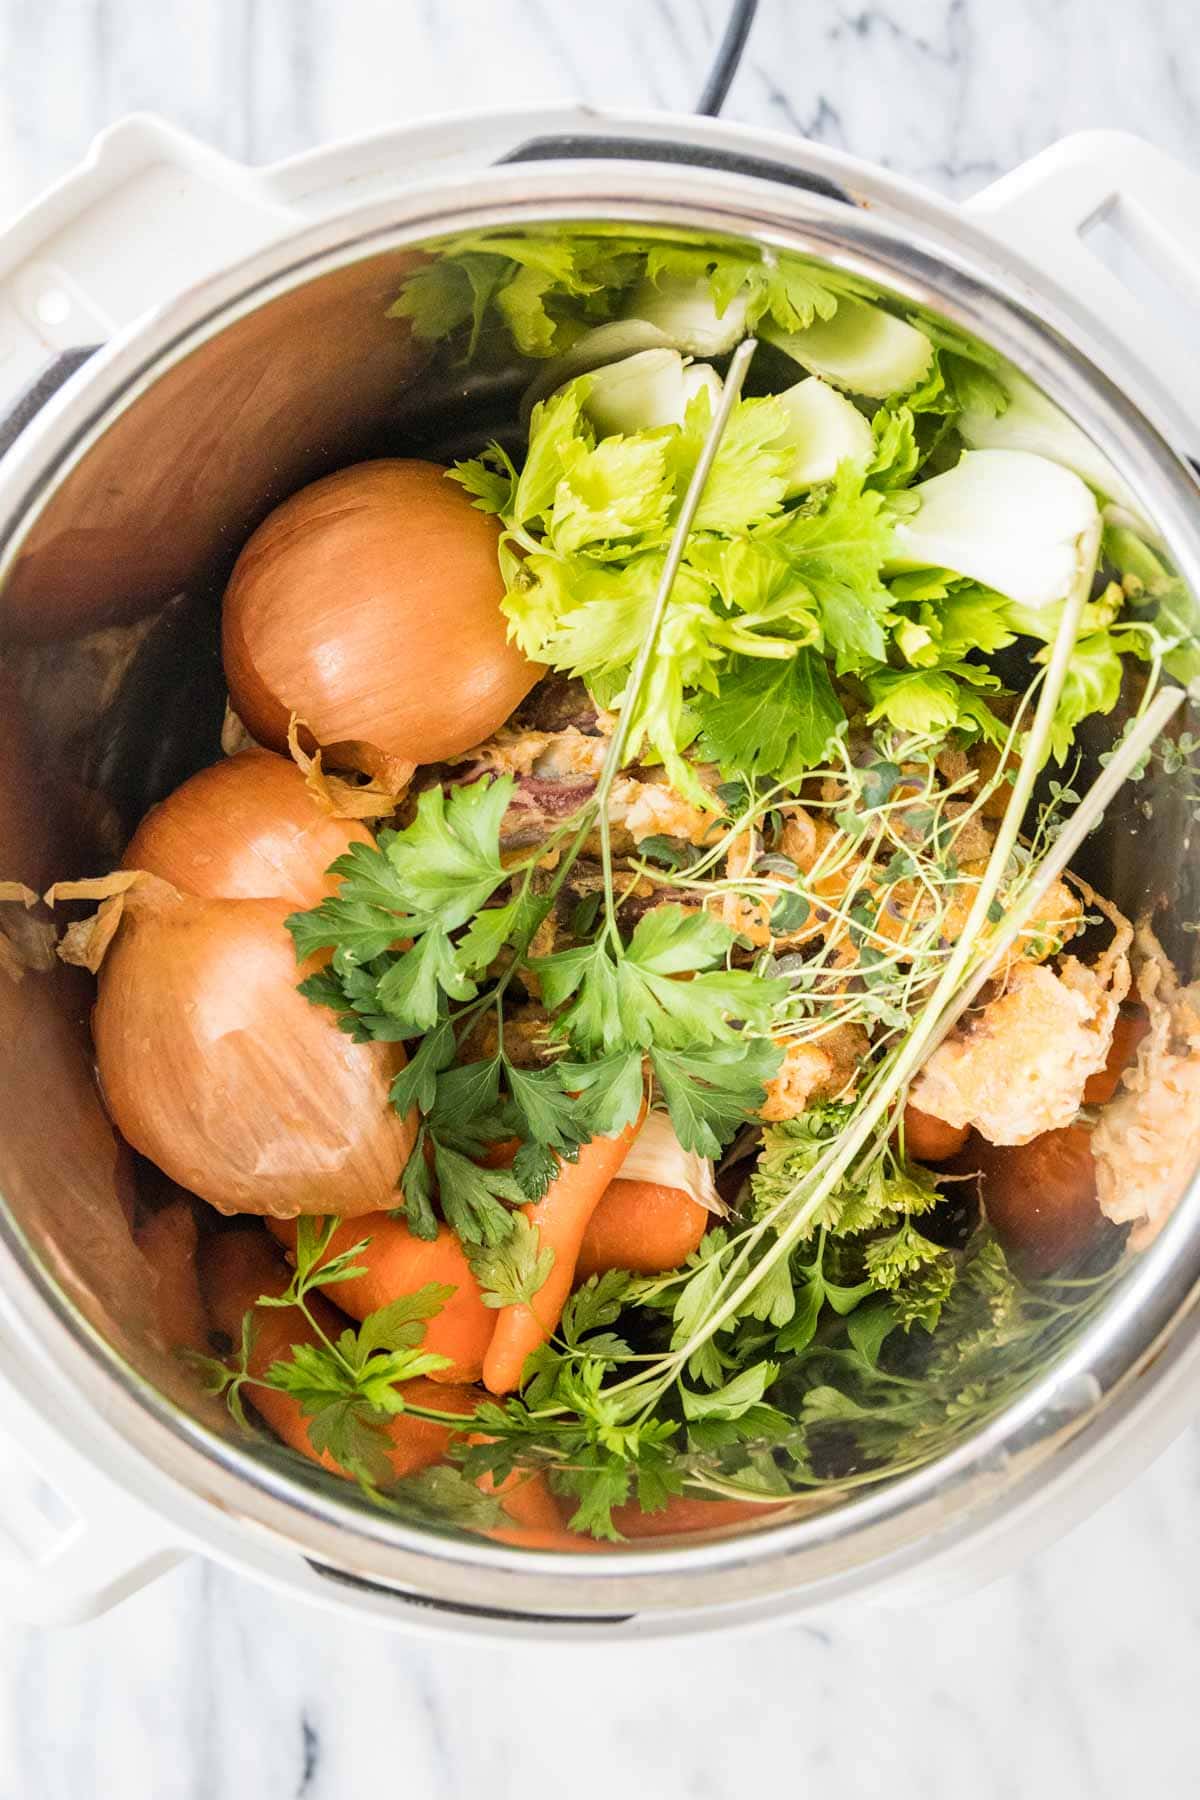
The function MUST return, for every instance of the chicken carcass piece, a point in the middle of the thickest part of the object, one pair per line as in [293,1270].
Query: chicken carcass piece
[821,1069]
[833,875]
[556,771]
[1147,1143]
[1019,1067]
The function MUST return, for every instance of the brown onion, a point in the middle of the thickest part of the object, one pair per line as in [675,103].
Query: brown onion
[369,606]
[245,829]
[219,1071]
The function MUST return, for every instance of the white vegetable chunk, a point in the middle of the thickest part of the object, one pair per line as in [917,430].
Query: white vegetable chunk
[683,309]
[605,344]
[861,348]
[647,390]
[827,430]
[1016,522]
[701,378]
[1031,422]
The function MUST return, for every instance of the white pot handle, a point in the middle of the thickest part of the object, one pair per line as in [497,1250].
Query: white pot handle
[1116,222]
[72,1544]
[148,212]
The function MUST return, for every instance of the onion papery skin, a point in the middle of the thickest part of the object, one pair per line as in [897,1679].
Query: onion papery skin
[215,1067]
[369,606]
[247,828]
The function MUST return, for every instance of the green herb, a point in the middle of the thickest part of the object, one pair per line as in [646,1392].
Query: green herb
[826,655]
[544,289]
[512,1274]
[348,1387]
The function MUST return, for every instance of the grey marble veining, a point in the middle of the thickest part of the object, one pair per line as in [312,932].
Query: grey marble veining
[952,92]
[1074,1678]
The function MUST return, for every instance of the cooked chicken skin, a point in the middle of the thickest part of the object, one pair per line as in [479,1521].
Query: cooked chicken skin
[643,806]
[1147,1143]
[833,876]
[552,755]
[654,809]
[1018,1067]
[820,1070]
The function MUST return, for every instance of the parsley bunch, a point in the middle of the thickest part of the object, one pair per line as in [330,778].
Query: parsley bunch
[423,942]
[348,1386]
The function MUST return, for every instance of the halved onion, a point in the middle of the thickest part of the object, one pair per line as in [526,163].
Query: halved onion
[247,828]
[218,1070]
[369,606]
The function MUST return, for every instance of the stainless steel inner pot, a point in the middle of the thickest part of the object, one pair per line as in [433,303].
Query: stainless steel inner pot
[122,506]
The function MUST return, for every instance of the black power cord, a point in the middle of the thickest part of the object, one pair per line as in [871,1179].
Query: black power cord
[727,59]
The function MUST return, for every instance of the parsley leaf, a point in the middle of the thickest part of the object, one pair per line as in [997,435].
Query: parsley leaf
[611,1089]
[416,1084]
[413,986]
[511,1273]
[400,1325]
[342,1426]
[594,1305]
[448,860]
[472,1197]
[637,1000]
[771,719]
[416,1187]
[465,1111]
[734,1398]
[836,545]
[443,1495]
[549,1115]
[534,1167]
[711,1092]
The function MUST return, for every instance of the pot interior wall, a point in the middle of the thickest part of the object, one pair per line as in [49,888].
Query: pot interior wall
[111,693]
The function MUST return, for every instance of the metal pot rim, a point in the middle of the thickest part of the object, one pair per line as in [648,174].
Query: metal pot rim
[921,248]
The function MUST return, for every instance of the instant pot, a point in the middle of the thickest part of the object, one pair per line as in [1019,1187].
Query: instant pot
[184,341]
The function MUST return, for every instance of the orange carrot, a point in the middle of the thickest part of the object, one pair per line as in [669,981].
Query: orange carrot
[168,1242]
[236,1268]
[1040,1197]
[1133,1022]
[931,1140]
[561,1217]
[395,1263]
[498,1155]
[526,1497]
[686,1513]
[641,1226]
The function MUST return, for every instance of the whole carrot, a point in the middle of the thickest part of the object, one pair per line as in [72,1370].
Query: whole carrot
[168,1242]
[537,1520]
[1040,1197]
[931,1140]
[395,1263]
[238,1267]
[685,1513]
[643,1227]
[561,1217]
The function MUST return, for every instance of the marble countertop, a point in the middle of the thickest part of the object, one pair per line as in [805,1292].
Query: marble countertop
[1072,1677]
